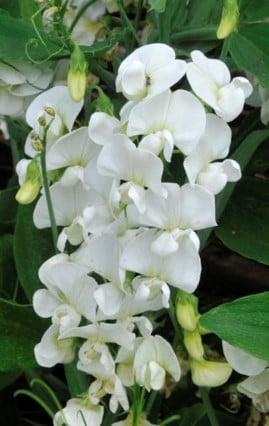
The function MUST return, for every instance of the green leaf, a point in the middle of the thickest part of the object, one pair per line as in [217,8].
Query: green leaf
[101,47]
[8,275]
[8,205]
[28,10]
[7,379]
[251,12]
[243,155]
[244,227]
[158,5]
[255,61]
[31,248]
[204,12]
[258,34]
[192,415]
[20,331]
[19,41]
[243,323]
[78,382]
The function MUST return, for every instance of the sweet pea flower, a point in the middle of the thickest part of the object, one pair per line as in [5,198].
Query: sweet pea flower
[257,388]
[149,70]
[181,268]
[189,207]
[112,386]
[52,350]
[140,169]
[242,362]
[214,144]
[18,83]
[168,119]
[72,151]
[55,106]
[153,358]
[210,79]
[79,412]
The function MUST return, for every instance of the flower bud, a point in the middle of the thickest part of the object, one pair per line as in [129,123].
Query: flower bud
[50,11]
[193,344]
[186,310]
[77,74]
[31,186]
[50,111]
[229,18]
[209,373]
[37,145]
[42,120]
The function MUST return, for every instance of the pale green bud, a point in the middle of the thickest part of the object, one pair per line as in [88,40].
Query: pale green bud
[77,74]
[50,111]
[42,121]
[31,186]
[187,310]
[209,373]
[193,344]
[229,19]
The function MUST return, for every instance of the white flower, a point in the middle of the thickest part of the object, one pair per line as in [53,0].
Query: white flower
[72,151]
[189,207]
[242,362]
[112,386]
[257,388]
[67,285]
[180,269]
[79,412]
[128,421]
[18,81]
[154,357]
[65,113]
[149,70]
[200,165]
[102,126]
[210,79]
[168,119]
[52,350]
[139,168]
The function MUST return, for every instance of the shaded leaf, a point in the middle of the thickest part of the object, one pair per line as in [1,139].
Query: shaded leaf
[20,331]
[244,227]
[158,5]
[31,248]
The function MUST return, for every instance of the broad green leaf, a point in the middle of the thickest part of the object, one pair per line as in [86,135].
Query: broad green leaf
[255,61]
[12,6]
[204,12]
[29,10]
[244,227]
[19,41]
[243,323]
[158,5]
[20,331]
[31,248]
[257,34]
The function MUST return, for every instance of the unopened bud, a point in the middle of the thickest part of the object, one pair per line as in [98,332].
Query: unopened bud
[229,19]
[209,373]
[77,74]
[193,344]
[50,111]
[42,121]
[37,145]
[31,186]
[50,11]
[187,310]
[34,136]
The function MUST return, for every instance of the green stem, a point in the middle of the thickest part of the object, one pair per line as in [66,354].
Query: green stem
[138,14]
[36,399]
[150,401]
[172,315]
[79,14]
[225,48]
[170,420]
[54,229]
[208,406]
[127,22]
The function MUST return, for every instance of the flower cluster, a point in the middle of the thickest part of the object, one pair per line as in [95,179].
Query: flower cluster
[132,230]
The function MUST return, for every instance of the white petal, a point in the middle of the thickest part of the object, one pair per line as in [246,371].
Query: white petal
[242,362]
